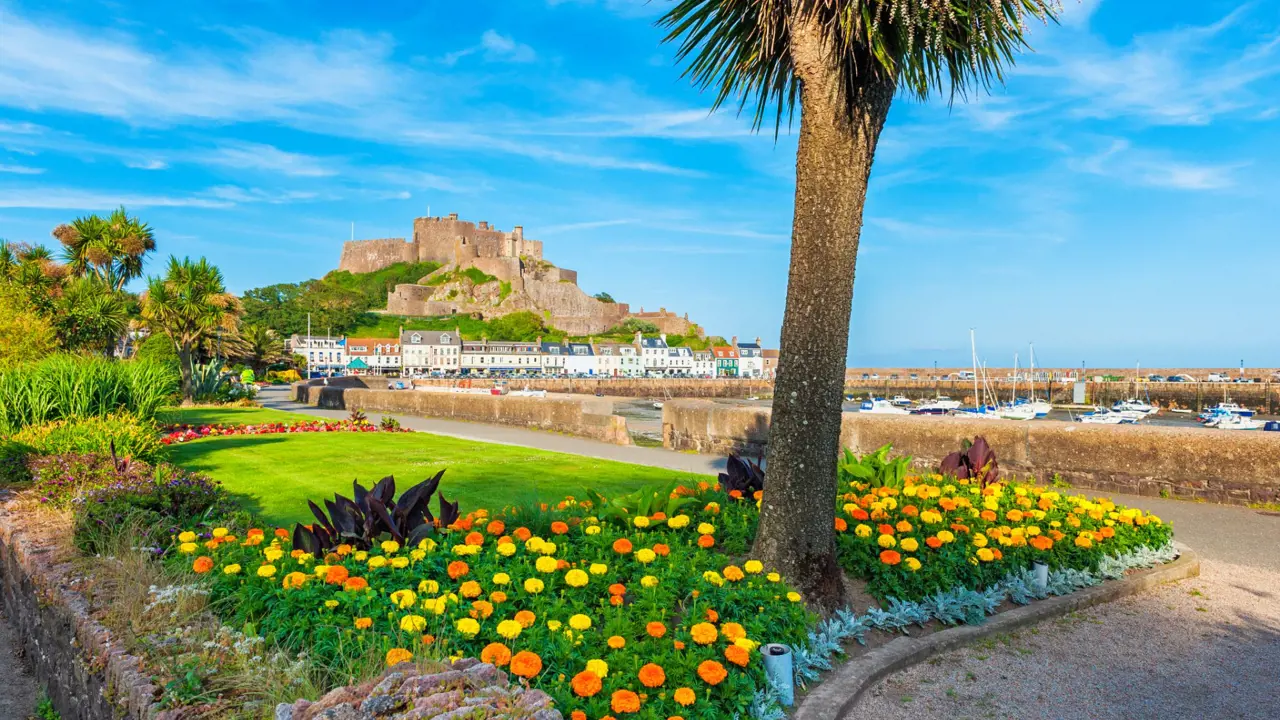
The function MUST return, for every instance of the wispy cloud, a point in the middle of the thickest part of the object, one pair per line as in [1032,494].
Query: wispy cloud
[625,8]
[494,47]
[152,164]
[1140,167]
[236,194]
[21,170]
[592,225]
[257,156]
[59,198]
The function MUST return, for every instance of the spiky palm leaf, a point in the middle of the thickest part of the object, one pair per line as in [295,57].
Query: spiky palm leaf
[111,248]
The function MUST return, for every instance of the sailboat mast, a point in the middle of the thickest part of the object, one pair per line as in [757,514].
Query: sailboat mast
[973,349]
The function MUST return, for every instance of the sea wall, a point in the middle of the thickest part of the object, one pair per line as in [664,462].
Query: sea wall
[1218,466]
[632,387]
[80,665]
[1264,397]
[584,417]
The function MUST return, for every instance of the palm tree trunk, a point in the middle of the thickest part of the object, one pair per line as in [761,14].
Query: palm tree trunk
[796,533]
[185,358]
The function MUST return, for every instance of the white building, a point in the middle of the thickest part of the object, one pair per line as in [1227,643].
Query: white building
[653,353]
[750,359]
[581,360]
[618,360]
[704,364]
[553,358]
[325,355]
[679,361]
[486,357]
[373,356]
[431,352]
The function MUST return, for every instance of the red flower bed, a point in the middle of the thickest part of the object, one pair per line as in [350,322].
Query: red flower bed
[183,433]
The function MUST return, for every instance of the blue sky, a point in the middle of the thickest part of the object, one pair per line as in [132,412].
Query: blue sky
[1115,202]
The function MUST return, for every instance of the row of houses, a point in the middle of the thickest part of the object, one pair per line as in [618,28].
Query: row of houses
[443,353]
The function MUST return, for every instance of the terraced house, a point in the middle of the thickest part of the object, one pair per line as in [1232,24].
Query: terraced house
[431,352]
[726,360]
[373,356]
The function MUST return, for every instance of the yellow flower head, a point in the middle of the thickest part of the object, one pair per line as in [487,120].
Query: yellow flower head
[468,627]
[506,549]
[331,604]
[645,556]
[404,599]
[533,586]
[580,622]
[886,541]
[773,577]
[428,587]
[598,568]
[678,521]
[188,548]
[509,629]
[910,544]
[754,567]
[592,530]
[912,564]
[862,530]
[648,581]
[599,667]
[220,532]
[554,625]
[266,571]
[232,569]
[377,561]
[389,546]
[186,537]
[793,596]
[706,529]
[641,521]
[501,578]
[546,564]
[576,578]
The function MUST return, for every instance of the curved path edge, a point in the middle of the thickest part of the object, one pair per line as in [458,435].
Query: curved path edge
[837,693]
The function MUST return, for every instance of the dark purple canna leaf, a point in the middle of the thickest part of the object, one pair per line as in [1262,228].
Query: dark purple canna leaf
[448,512]
[385,523]
[385,490]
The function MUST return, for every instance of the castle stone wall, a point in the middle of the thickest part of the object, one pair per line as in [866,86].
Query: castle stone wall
[363,256]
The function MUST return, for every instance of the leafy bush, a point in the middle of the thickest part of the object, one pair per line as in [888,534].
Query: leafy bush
[130,436]
[875,469]
[13,461]
[743,477]
[157,348]
[389,423]
[154,503]
[974,460]
[60,479]
[283,377]
[66,387]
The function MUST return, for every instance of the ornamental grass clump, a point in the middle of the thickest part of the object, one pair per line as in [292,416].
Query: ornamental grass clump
[64,387]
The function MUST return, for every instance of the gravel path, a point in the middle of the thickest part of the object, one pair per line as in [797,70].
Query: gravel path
[1208,647]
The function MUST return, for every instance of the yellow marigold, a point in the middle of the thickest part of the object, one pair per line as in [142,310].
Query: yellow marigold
[576,578]
[733,631]
[467,626]
[862,530]
[294,580]
[232,569]
[428,587]
[509,629]
[554,625]
[713,577]
[910,544]
[592,530]
[684,696]
[413,623]
[912,564]
[580,622]
[220,532]
[546,564]
[617,642]
[187,536]
[678,521]
[506,549]
[946,536]
[377,561]
[704,633]
[980,540]
[640,521]
[773,577]
[533,586]
[188,548]
[1084,542]
[599,667]
[648,581]
[331,604]
[733,573]
[706,529]
[598,568]
[793,596]
[395,656]
[986,554]
[399,562]
[746,644]
[389,546]
[886,541]
[645,556]
[754,567]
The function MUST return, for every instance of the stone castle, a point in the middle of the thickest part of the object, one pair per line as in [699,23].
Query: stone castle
[523,279]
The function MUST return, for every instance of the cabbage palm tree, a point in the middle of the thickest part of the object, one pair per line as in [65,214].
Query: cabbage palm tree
[842,62]
[262,347]
[189,304]
[110,248]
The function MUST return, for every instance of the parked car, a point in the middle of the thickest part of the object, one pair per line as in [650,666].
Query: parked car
[1218,377]
[1155,378]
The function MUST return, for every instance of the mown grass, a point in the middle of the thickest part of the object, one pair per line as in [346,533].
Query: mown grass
[226,415]
[275,475]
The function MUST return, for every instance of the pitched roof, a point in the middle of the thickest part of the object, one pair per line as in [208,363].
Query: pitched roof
[430,337]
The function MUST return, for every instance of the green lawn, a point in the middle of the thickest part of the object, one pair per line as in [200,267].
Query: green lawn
[226,415]
[274,475]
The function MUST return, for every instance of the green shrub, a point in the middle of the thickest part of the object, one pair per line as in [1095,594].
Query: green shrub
[13,461]
[157,348]
[131,436]
[65,387]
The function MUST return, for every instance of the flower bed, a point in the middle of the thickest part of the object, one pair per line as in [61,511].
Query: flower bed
[186,433]
[615,609]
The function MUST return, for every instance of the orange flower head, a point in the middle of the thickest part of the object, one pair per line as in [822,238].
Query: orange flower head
[712,615]
[615,600]
[364,623]
[706,541]
[655,629]
[586,684]
[860,514]
[577,715]
[526,664]
[617,589]
[482,608]
[735,494]
[617,642]
[469,589]
[685,696]
[525,618]
[294,580]
[395,656]
[652,675]
[841,525]
[890,557]
[495,654]
[704,633]
[933,542]
[559,528]
[498,597]
[622,546]
[624,701]
[495,527]
[474,538]
[202,565]
[737,655]
[733,631]
[336,575]
[712,672]
[457,569]
[282,533]
[523,533]
[355,584]
[677,644]
[661,549]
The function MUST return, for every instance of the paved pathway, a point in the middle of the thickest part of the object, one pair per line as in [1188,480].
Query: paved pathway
[1218,532]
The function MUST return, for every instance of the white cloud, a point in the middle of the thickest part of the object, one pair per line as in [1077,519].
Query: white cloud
[496,47]
[152,164]
[55,198]
[592,225]
[257,156]
[236,194]
[1139,167]
[625,8]
[1076,13]
[20,170]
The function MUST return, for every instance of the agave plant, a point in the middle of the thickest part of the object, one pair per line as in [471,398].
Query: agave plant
[744,476]
[973,461]
[375,512]
[206,379]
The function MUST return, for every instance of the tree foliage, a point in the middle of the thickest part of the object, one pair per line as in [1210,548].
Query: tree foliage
[338,302]
[112,249]
[25,334]
[189,304]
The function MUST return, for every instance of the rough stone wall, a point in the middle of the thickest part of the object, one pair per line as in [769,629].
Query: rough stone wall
[82,667]
[1264,397]
[506,269]
[589,418]
[435,239]
[363,256]
[1143,460]
[667,322]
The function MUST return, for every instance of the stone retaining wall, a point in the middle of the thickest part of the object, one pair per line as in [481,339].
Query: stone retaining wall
[630,387]
[584,417]
[74,658]
[1220,466]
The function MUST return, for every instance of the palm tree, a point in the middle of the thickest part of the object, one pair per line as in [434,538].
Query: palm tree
[90,315]
[111,248]
[190,304]
[843,61]
[263,347]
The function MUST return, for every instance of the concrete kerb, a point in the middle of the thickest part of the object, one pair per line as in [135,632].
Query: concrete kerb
[835,696]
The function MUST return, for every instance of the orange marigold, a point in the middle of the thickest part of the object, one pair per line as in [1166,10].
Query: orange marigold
[559,528]
[706,541]
[841,525]
[624,701]
[712,615]
[733,631]
[395,656]
[685,696]
[677,644]
[495,654]
[617,589]
[661,549]
[586,684]
[355,584]
[523,533]
[203,564]
[652,675]
[860,514]
[737,655]
[733,573]
[474,538]
[457,569]
[282,533]
[712,672]
[364,623]
[526,664]
[577,715]
[495,527]
[655,629]
[617,642]
[1040,542]
[890,557]
[615,600]
[704,633]
[622,546]
[498,597]
[933,542]
[482,608]
[336,575]
[525,618]
[470,589]
[294,580]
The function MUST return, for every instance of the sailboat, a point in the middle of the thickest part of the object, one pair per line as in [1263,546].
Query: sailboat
[1016,410]
[1041,407]
[981,410]
[1134,407]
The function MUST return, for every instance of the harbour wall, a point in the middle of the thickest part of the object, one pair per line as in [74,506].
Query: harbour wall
[627,387]
[1192,463]
[1263,397]
[584,417]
